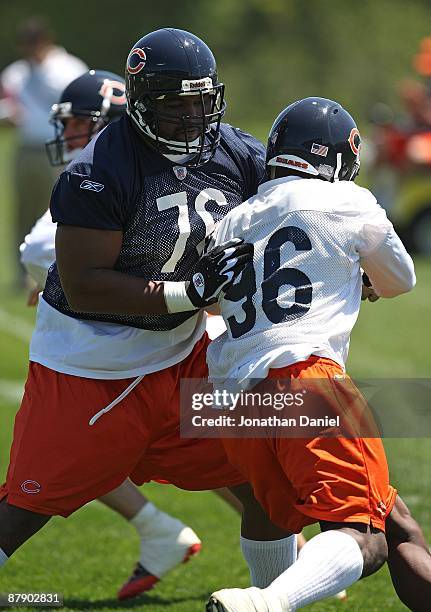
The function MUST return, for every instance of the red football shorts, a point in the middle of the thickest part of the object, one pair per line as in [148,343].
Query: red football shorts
[59,462]
[302,481]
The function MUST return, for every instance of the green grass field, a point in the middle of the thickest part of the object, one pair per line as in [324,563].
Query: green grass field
[89,555]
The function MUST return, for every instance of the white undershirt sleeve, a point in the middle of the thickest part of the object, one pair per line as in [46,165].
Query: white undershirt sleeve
[390,268]
[382,254]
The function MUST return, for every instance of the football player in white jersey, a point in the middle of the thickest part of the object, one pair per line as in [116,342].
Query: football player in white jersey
[290,317]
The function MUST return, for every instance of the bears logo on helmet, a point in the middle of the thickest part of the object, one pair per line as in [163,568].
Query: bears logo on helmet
[138,57]
[355,140]
[115,91]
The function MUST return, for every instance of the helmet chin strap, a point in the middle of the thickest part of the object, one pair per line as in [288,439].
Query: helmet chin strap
[175,145]
[178,159]
[338,167]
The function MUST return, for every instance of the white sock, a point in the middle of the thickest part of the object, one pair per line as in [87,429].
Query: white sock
[165,540]
[327,564]
[266,560]
[3,557]
[145,518]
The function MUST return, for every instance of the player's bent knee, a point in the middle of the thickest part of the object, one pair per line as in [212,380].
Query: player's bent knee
[251,507]
[244,493]
[256,524]
[371,541]
[374,551]
[17,525]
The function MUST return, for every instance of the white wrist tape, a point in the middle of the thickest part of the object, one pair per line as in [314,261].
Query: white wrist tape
[176,297]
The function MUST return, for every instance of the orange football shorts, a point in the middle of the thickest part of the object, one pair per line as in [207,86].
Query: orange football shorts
[300,481]
[59,462]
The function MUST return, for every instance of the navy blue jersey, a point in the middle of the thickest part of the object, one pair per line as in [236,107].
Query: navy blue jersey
[164,210]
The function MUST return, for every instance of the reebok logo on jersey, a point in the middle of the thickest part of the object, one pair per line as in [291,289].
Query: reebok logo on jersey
[31,486]
[90,186]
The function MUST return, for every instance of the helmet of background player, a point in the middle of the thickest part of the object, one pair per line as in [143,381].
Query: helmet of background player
[315,137]
[171,64]
[86,105]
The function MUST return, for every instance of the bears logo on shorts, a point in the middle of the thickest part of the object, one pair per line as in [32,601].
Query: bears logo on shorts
[31,486]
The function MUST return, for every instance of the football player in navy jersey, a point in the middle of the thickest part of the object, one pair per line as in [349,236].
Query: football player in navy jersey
[121,318]
[85,107]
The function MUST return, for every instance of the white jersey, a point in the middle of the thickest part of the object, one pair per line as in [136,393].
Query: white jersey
[96,349]
[302,294]
[100,350]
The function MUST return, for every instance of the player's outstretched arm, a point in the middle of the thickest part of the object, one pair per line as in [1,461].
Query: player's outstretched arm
[86,260]
[390,268]
[383,256]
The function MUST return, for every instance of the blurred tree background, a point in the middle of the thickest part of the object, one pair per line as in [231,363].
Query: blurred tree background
[269,52]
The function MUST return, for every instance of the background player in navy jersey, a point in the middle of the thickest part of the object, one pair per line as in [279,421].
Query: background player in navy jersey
[120,321]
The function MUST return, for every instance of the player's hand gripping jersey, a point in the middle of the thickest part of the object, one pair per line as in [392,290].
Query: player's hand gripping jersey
[165,211]
[302,294]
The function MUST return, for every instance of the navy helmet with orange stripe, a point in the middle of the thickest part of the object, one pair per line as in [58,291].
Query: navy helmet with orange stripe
[315,137]
[96,98]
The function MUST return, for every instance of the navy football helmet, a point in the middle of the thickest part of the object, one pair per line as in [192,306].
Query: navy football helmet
[97,95]
[315,137]
[168,63]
